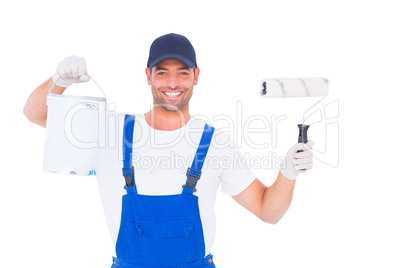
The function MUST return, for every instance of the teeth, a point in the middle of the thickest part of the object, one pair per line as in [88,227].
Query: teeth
[172,94]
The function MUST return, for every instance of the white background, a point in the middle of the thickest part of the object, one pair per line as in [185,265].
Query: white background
[345,213]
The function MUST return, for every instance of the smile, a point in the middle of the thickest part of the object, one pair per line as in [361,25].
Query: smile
[172,94]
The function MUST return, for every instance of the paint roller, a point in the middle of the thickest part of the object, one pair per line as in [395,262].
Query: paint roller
[296,88]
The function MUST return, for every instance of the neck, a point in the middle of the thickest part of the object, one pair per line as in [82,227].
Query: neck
[160,119]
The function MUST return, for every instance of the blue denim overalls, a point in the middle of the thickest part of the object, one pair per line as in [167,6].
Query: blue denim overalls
[164,230]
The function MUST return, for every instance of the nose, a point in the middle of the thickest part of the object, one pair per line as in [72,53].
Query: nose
[173,83]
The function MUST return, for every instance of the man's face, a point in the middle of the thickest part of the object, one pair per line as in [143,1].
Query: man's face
[172,84]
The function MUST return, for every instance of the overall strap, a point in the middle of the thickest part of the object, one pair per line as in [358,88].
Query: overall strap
[128,169]
[194,173]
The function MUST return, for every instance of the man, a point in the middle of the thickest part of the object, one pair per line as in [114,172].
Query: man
[167,218]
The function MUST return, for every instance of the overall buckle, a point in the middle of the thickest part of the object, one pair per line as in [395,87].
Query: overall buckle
[129,176]
[192,178]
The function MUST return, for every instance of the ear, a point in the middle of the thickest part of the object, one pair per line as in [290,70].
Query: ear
[197,73]
[148,73]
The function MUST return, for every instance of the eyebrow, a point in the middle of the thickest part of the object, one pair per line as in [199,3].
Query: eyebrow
[160,68]
[165,69]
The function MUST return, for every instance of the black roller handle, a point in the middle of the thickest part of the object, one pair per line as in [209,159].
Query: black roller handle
[302,135]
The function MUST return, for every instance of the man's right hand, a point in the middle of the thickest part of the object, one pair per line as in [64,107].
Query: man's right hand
[71,70]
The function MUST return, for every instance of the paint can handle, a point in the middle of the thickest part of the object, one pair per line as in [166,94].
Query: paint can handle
[89,78]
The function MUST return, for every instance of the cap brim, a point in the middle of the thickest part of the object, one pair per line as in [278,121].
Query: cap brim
[187,62]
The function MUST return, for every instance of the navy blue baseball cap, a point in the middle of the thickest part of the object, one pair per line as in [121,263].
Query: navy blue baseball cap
[172,46]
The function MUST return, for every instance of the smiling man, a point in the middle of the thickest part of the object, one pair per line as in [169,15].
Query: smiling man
[175,81]
[172,87]
[166,218]
[172,73]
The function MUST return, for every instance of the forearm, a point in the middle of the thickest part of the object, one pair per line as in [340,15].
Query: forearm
[277,199]
[35,108]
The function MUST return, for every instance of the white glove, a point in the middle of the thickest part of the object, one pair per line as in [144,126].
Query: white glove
[72,70]
[295,162]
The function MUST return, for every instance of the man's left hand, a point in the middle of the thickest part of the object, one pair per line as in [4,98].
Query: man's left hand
[298,162]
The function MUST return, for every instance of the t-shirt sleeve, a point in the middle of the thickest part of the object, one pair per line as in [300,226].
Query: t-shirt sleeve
[235,173]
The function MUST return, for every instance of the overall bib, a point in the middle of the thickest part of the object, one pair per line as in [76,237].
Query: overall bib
[164,230]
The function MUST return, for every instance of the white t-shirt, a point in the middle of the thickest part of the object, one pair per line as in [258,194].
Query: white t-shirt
[161,159]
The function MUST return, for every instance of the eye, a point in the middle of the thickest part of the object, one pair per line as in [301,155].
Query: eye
[161,73]
[184,73]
